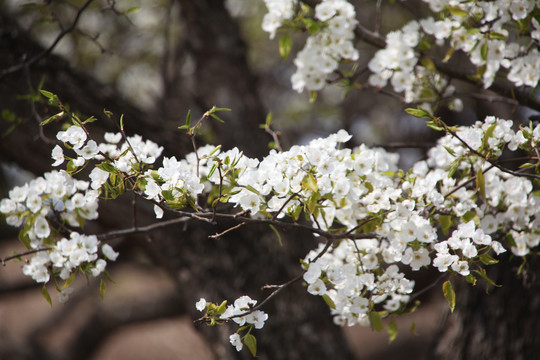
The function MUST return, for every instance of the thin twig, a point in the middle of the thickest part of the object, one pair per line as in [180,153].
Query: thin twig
[283,206]
[500,167]
[217,236]
[206,216]
[51,47]
[430,286]
[142,229]
[29,252]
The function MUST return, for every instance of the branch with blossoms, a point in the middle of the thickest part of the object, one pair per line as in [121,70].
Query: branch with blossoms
[501,41]
[372,219]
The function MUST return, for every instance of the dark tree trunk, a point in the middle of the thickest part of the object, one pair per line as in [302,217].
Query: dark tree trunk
[503,324]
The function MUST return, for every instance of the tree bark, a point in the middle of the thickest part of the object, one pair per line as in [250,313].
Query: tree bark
[503,324]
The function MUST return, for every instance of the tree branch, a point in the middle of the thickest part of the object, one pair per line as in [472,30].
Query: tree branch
[51,47]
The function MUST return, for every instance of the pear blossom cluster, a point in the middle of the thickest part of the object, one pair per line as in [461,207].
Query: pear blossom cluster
[241,312]
[491,43]
[326,48]
[55,192]
[68,254]
[386,220]
[340,188]
[330,43]
[278,12]
[47,205]
[44,201]
[398,64]
[501,37]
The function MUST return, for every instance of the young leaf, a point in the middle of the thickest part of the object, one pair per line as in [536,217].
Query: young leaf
[251,344]
[413,328]
[417,112]
[277,234]
[391,328]
[102,287]
[46,294]
[221,308]
[483,275]
[49,95]
[217,118]
[449,294]
[69,280]
[428,64]
[488,260]
[376,320]
[329,301]
[310,182]
[285,46]
[446,222]
[268,120]
[480,183]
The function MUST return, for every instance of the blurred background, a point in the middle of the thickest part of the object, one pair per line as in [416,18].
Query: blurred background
[152,62]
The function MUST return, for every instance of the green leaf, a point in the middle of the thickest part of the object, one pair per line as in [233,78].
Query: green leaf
[311,25]
[277,234]
[58,116]
[391,328]
[295,214]
[252,189]
[310,182]
[329,301]
[446,222]
[449,54]
[251,344]
[49,95]
[212,170]
[527,166]
[480,183]
[268,120]
[453,167]
[424,45]
[471,216]
[484,51]
[431,124]
[23,236]
[471,279]
[313,204]
[46,294]
[457,11]
[285,46]
[428,64]
[102,286]
[496,35]
[486,259]
[132,10]
[419,112]
[69,280]
[216,109]
[188,119]
[413,328]
[312,96]
[221,308]
[482,273]
[450,151]
[449,295]
[108,167]
[376,320]
[217,118]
